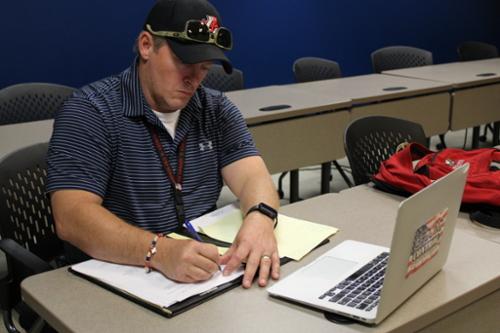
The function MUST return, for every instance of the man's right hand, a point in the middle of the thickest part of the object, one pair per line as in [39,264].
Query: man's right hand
[186,260]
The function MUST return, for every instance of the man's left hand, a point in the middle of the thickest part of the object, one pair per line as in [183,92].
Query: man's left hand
[255,245]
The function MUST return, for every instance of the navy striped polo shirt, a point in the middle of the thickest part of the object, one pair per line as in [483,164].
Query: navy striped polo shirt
[101,144]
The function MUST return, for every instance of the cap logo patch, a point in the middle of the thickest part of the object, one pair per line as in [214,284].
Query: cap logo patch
[211,22]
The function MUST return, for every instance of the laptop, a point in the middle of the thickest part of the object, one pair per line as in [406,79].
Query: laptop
[367,282]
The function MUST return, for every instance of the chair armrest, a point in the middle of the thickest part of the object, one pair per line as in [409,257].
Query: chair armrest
[31,263]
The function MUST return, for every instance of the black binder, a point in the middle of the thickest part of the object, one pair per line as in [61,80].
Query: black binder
[171,310]
[175,308]
[178,307]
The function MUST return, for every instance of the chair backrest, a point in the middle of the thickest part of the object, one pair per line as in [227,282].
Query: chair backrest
[370,140]
[31,101]
[473,50]
[25,211]
[313,69]
[218,79]
[29,239]
[396,57]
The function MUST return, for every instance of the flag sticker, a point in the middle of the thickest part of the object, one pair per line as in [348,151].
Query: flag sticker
[426,242]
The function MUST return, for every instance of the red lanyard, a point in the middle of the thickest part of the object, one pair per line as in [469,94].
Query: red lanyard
[175,180]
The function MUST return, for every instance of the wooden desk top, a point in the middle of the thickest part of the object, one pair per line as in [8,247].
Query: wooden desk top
[249,101]
[72,304]
[368,192]
[459,74]
[372,87]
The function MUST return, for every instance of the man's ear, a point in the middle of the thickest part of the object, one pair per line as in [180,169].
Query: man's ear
[145,45]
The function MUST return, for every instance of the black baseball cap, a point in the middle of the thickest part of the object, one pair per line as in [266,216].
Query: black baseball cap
[172,15]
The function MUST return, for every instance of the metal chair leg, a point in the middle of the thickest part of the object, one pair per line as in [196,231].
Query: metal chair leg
[281,194]
[442,144]
[8,323]
[342,173]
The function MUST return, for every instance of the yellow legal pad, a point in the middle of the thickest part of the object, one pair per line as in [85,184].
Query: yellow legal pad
[295,237]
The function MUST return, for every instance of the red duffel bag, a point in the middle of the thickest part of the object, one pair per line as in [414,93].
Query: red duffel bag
[414,167]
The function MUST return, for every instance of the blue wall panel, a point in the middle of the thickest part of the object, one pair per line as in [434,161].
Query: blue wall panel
[75,43]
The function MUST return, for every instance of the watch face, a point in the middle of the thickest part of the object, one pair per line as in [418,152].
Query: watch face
[269,211]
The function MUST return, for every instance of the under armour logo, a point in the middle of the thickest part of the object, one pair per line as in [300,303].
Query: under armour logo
[207,146]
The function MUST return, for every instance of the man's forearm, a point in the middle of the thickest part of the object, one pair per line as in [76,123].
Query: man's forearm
[260,189]
[81,220]
[250,181]
[97,231]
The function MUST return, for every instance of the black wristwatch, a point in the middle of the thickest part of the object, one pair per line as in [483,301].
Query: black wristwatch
[266,210]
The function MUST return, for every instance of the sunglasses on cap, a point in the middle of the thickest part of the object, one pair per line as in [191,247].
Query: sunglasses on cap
[199,31]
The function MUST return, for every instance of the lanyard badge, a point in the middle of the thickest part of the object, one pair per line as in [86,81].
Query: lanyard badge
[175,180]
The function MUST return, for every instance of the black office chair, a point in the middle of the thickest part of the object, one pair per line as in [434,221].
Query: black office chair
[29,240]
[397,57]
[31,101]
[473,50]
[308,69]
[218,79]
[370,140]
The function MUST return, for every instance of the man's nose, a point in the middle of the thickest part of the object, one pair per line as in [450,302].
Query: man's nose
[195,73]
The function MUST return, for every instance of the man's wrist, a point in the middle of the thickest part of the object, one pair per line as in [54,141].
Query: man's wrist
[266,210]
[151,252]
[162,249]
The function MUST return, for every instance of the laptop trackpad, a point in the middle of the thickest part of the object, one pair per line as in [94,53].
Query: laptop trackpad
[329,268]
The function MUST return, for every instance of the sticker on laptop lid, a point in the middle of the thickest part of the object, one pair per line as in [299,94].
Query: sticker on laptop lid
[426,242]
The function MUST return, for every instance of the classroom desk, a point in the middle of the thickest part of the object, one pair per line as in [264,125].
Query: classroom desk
[15,136]
[463,297]
[368,192]
[421,101]
[309,132]
[475,93]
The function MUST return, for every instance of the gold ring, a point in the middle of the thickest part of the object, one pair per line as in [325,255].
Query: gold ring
[265,256]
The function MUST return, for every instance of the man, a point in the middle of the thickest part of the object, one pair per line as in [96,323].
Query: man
[135,155]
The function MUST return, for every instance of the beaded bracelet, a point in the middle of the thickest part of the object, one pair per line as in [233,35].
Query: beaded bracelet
[151,253]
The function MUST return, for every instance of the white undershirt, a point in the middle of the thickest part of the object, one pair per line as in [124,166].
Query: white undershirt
[169,120]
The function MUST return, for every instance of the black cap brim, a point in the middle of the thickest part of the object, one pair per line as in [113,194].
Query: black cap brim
[192,53]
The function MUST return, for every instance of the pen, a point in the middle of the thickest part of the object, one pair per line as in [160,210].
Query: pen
[195,235]
[192,231]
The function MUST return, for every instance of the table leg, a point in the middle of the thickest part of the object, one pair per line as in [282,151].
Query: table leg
[326,174]
[475,137]
[496,133]
[294,185]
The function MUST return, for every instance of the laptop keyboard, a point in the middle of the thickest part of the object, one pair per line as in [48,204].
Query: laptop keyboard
[361,290]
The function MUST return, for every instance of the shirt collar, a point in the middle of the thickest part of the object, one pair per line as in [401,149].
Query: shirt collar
[132,97]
